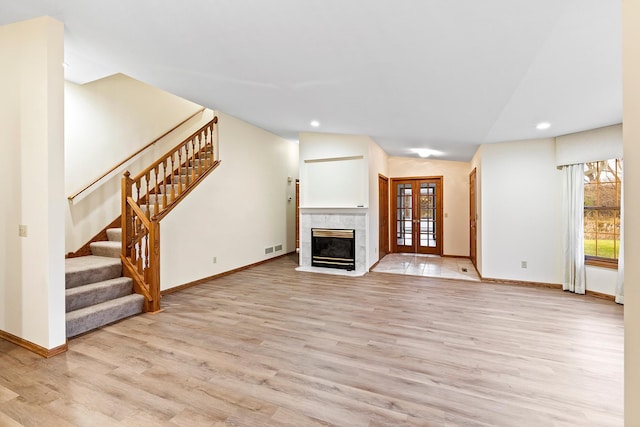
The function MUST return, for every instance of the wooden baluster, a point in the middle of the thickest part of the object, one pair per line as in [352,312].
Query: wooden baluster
[172,195]
[164,183]
[135,259]
[179,170]
[147,178]
[214,137]
[127,188]
[137,198]
[193,159]
[210,132]
[156,190]
[199,159]
[146,256]
[205,149]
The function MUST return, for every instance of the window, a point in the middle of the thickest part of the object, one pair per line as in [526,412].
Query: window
[602,212]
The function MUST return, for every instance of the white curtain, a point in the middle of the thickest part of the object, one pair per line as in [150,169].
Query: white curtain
[573,228]
[620,281]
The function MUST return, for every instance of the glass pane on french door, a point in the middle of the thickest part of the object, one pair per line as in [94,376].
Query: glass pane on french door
[428,206]
[404,215]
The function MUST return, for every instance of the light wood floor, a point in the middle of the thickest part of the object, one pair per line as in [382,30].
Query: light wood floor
[271,346]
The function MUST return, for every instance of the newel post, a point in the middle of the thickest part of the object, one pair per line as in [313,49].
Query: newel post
[127,232]
[154,266]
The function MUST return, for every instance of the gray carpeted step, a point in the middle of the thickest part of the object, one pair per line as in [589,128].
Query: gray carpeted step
[98,315]
[186,178]
[159,198]
[203,162]
[95,293]
[114,234]
[167,188]
[90,269]
[187,171]
[106,249]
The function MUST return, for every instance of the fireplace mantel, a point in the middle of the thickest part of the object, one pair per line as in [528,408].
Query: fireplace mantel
[333,210]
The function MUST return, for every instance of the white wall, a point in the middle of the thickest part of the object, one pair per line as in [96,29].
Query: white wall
[631,135]
[476,164]
[238,211]
[106,121]
[455,190]
[334,170]
[589,146]
[31,168]
[378,165]
[521,212]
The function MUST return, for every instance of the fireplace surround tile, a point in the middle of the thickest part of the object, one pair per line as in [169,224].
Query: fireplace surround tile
[320,218]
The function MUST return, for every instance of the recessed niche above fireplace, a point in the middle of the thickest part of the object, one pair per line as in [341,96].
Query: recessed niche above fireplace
[333,248]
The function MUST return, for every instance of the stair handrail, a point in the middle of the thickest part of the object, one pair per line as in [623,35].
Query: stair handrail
[189,162]
[150,144]
[211,122]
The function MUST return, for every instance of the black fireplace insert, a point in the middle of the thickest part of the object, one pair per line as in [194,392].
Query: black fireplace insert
[333,248]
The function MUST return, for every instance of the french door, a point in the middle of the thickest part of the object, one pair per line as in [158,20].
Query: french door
[417,215]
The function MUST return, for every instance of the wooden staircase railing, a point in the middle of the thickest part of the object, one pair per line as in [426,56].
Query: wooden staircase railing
[151,195]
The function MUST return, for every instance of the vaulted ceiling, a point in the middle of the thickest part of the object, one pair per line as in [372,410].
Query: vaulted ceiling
[446,75]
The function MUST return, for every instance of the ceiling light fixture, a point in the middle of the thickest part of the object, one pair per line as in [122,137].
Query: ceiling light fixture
[425,152]
[315,123]
[543,125]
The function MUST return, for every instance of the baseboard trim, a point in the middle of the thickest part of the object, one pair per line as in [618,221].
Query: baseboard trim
[217,276]
[522,283]
[375,264]
[547,285]
[35,348]
[454,256]
[601,295]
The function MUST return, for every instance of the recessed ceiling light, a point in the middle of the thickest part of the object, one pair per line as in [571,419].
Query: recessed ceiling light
[543,125]
[315,123]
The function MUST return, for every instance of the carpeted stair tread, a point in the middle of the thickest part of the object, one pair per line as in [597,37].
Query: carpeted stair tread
[167,188]
[96,293]
[95,316]
[90,269]
[114,234]
[106,249]
[159,198]
[194,162]
[187,171]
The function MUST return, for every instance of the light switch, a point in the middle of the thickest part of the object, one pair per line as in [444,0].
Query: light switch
[22,230]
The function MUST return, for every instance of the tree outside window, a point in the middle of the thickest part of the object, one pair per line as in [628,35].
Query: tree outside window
[602,183]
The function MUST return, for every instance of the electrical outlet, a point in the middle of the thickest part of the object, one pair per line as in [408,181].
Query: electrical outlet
[523,264]
[22,230]
[215,259]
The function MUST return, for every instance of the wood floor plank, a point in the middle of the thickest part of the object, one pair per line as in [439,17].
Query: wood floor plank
[270,346]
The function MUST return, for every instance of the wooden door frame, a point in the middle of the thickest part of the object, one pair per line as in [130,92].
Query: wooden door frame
[383,213]
[473,218]
[297,214]
[393,241]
